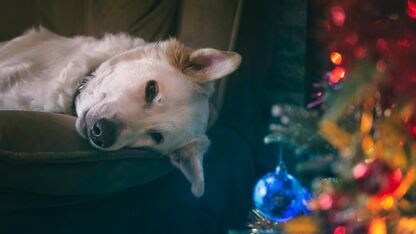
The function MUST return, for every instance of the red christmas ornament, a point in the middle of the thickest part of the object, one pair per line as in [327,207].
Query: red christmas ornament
[377,178]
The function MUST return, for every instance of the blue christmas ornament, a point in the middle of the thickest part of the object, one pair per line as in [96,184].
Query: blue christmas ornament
[279,196]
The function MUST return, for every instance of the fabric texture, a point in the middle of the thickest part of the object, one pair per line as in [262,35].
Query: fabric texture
[42,153]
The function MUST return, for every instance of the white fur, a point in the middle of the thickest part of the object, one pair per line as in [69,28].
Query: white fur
[41,71]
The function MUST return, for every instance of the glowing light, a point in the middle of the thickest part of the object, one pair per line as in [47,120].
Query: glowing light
[336,75]
[284,120]
[360,52]
[414,130]
[314,103]
[352,39]
[277,111]
[406,225]
[387,202]
[367,144]
[406,183]
[381,66]
[387,113]
[382,45]
[366,122]
[327,25]
[336,58]
[373,203]
[340,230]
[325,201]
[338,15]
[360,170]
[411,9]
[396,176]
[377,226]
[403,43]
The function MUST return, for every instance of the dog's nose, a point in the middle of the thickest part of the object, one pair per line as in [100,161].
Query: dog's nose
[103,133]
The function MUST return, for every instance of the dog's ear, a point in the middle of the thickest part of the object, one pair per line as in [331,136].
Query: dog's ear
[189,159]
[203,65]
[211,64]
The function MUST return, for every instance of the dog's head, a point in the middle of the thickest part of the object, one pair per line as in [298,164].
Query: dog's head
[155,96]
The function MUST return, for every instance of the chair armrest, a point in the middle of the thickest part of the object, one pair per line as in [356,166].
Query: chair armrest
[42,153]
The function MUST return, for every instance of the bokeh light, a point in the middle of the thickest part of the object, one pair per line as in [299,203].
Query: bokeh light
[377,226]
[411,9]
[338,15]
[387,202]
[336,58]
[325,201]
[340,230]
[336,75]
[360,170]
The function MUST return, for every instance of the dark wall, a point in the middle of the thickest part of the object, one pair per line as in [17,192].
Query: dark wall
[16,23]
[272,42]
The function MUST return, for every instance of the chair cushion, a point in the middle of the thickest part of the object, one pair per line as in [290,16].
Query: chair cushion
[42,153]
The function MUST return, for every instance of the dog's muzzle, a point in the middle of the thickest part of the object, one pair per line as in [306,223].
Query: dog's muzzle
[103,133]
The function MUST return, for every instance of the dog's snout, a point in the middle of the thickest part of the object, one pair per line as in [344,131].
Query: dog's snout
[103,133]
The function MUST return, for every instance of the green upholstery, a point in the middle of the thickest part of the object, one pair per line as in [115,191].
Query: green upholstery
[58,162]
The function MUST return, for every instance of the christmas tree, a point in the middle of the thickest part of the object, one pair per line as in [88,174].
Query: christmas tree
[362,124]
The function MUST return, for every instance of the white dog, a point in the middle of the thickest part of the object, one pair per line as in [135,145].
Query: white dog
[125,92]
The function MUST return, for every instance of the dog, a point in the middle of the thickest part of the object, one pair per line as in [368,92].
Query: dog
[125,92]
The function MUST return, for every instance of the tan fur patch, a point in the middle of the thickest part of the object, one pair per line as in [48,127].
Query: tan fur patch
[177,54]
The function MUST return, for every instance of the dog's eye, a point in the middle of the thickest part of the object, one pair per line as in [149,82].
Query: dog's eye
[151,91]
[157,137]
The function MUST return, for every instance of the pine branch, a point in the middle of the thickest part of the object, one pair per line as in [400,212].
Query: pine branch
[301,131]
[359,85]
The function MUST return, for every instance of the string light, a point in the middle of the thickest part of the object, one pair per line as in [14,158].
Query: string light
[411,9]
[414,130]
[360,52]
[367,144]
[366,122]
[396,176]
[336,75]
[382,45]
[336,58]
[377,226]
[360,170]
[406,182]
[381,66]
[340,230]
[325,201]
[352,39]
[387,202]
[338,15]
